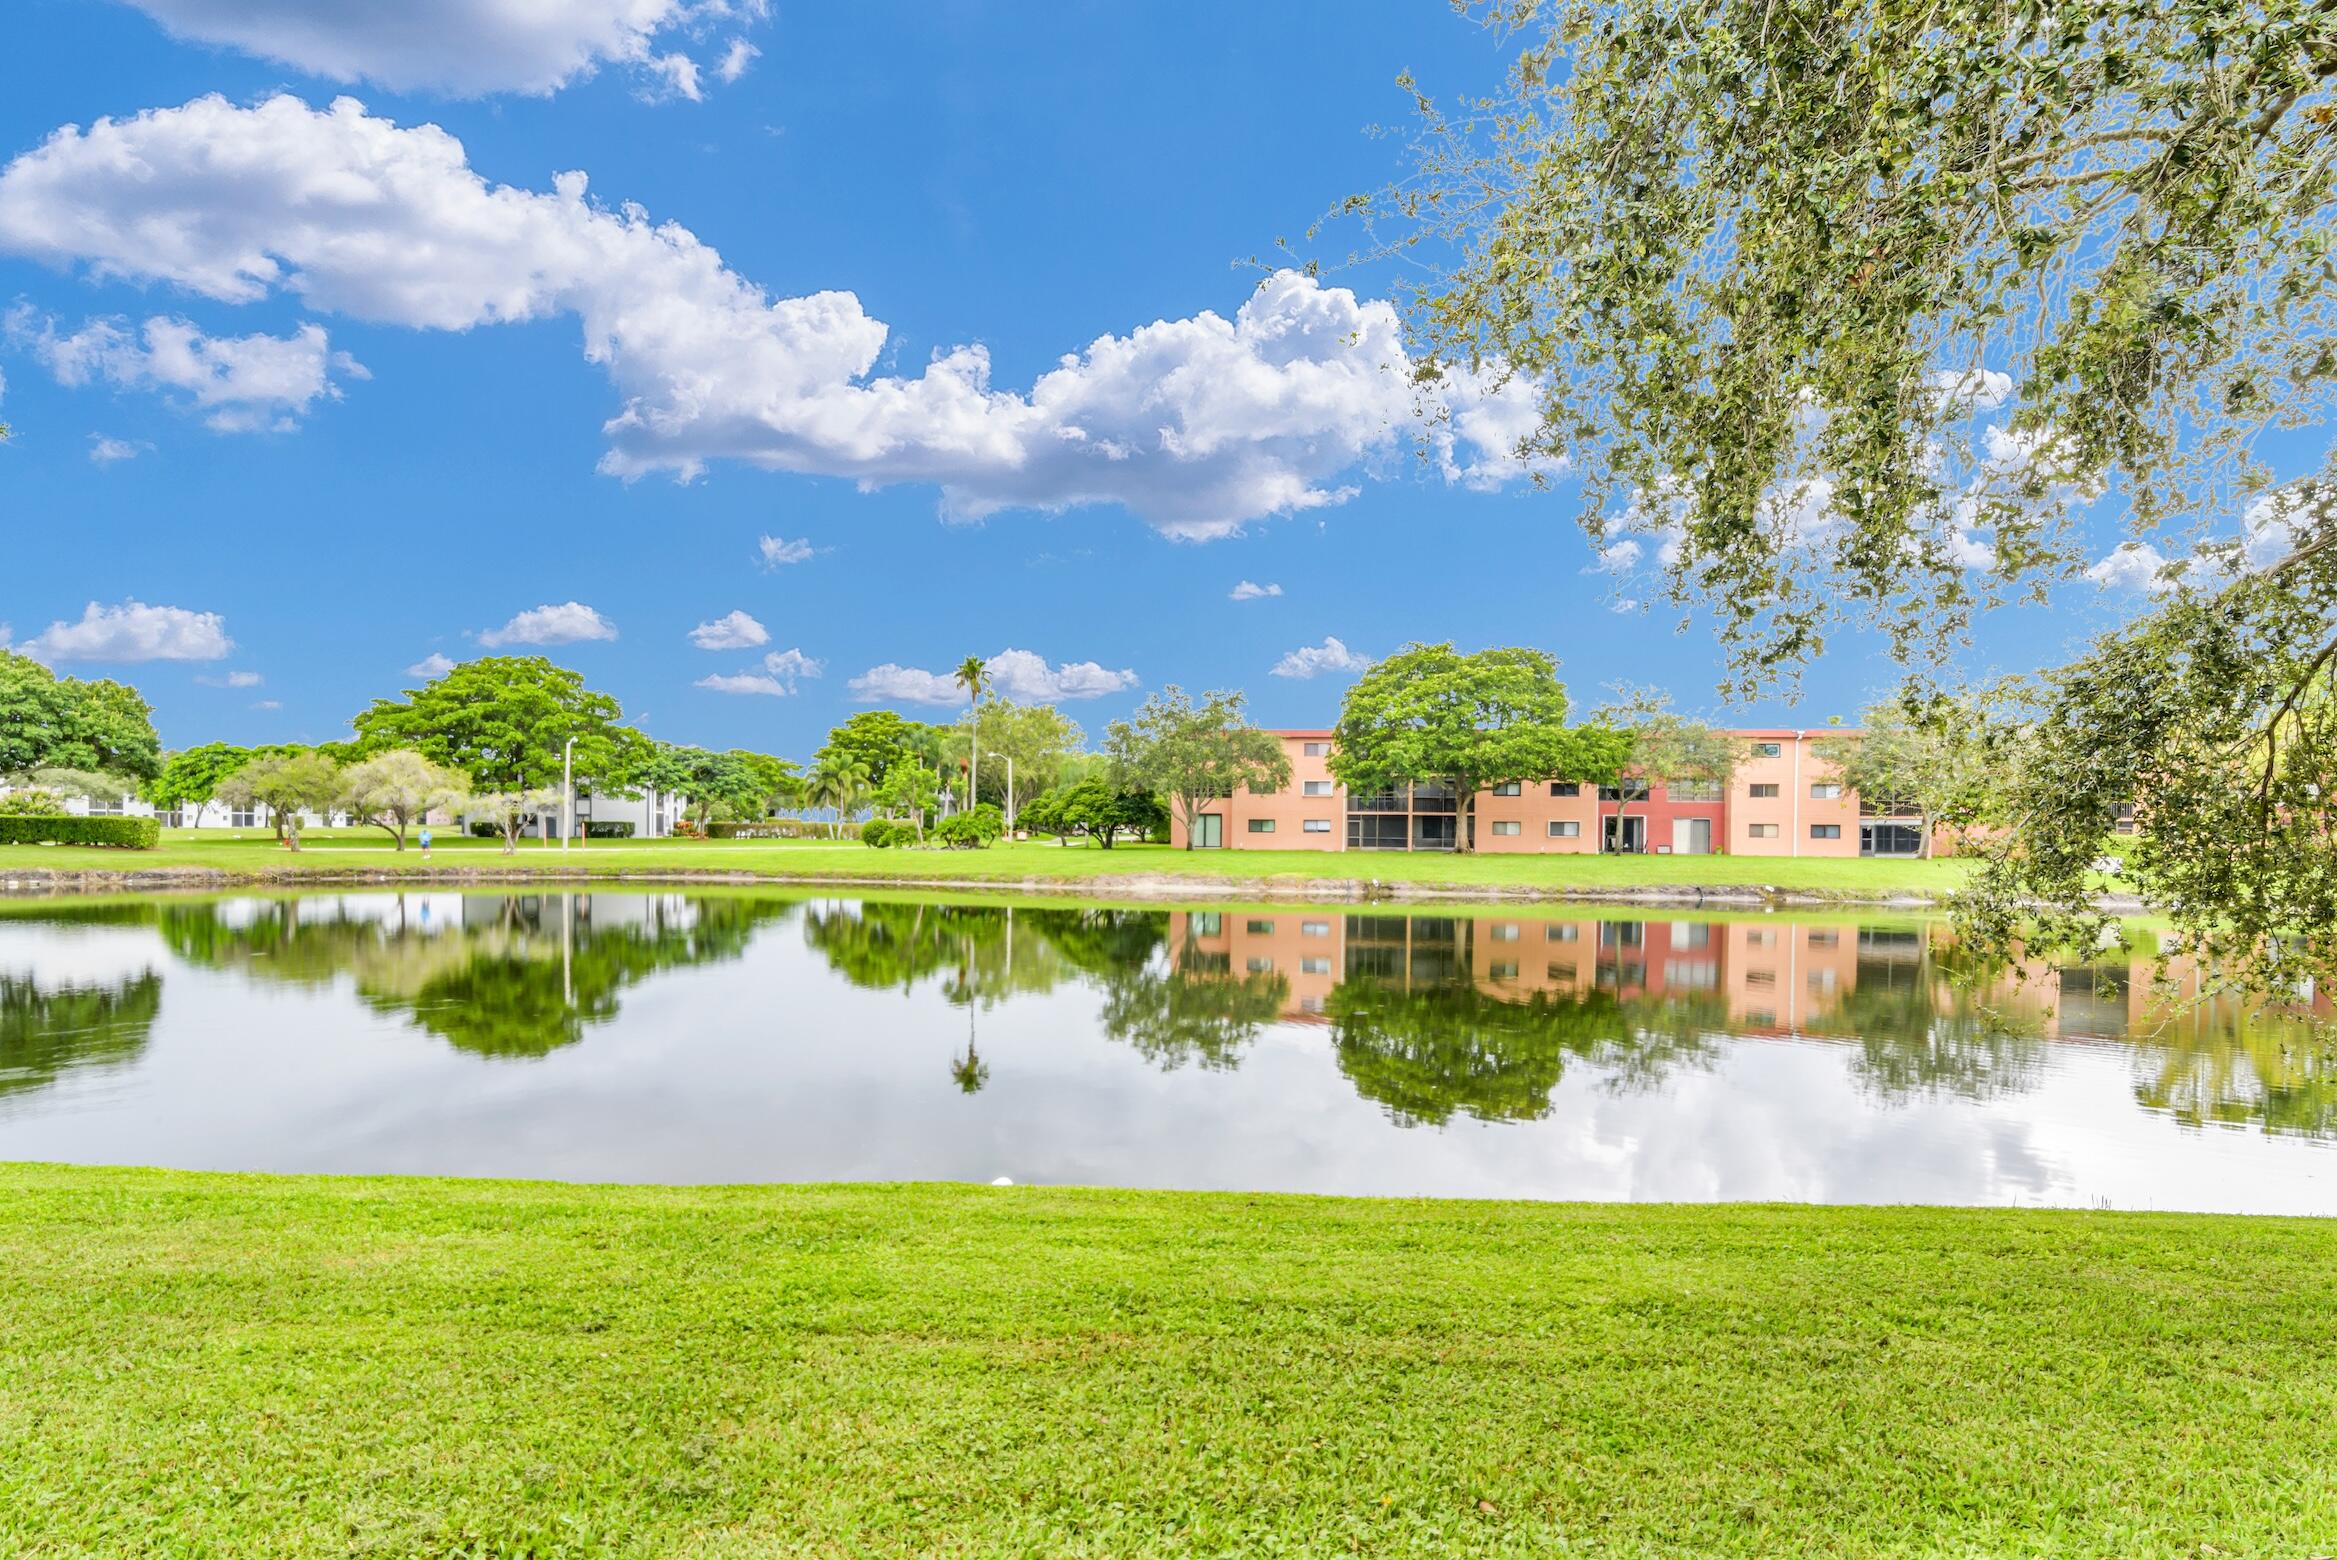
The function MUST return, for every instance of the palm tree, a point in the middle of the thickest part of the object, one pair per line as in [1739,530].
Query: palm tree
[838,783]
[973,675]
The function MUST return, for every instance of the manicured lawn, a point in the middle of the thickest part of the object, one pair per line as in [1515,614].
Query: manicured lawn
[814,860]
[242,1366]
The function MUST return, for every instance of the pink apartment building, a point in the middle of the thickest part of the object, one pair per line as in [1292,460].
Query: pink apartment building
[1784,800]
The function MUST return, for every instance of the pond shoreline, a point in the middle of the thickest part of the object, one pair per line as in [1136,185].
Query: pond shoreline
[1138,887]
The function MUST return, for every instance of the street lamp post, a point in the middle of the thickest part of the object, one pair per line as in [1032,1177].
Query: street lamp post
[1008,760]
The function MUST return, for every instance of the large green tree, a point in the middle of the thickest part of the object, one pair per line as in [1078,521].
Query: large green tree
[52,722]
[1194,752]
[393,791]
[1666,747]
[191,776]
[1432,713]
[877,740]
[290,784]
[1938,761]
[503,721]
[1031,744]
[1879,313]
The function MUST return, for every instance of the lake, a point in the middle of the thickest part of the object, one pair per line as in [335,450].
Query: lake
[712,1036]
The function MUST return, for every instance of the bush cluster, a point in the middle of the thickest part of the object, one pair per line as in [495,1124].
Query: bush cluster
[608,830]
[977,828]
[774,829]
[39,829]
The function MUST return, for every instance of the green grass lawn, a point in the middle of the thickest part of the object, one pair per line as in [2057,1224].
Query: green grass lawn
[245,1366]
[355,851]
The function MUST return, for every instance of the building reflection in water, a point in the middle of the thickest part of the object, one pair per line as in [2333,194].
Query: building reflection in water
[1432,1017]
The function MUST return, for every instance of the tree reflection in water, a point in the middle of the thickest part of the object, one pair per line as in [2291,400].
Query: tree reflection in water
[1431,1018]
[48,1031]
[508,975]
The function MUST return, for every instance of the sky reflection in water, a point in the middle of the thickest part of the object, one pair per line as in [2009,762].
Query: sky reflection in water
[760,1037]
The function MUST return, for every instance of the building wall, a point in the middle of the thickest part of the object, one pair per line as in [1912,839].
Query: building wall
[1795,812]
[1800,817]
[1287,811]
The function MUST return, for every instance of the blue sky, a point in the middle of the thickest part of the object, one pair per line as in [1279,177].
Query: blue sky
[326,444]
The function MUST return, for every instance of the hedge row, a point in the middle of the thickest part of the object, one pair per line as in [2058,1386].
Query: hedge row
[778,829]
[127,833]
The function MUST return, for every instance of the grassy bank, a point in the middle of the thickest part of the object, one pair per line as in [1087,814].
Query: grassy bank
[343,852]
[214,1365]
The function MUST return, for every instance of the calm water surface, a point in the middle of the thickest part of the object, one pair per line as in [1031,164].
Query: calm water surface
[752,1037]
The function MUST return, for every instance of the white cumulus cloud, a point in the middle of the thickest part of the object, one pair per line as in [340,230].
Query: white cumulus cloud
[1196,425]
[732,631]
[233,680]
[242,384]
[568,623]
[1021,675]
[777,551]
[1249,590]
[104,450]
[2133,566]
[781,671]
[431,665]
[467,48]
[1331,656]
[736,59]
[133,631]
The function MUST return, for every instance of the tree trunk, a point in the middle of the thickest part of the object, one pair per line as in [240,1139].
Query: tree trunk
[1464,807]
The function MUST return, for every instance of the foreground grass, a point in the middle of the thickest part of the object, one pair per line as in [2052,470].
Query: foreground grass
[217,1365]
[343,851]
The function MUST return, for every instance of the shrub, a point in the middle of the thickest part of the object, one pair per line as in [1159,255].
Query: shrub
[32,802]
[487,831]
[608,831]
[777,829]
[124,833]
[880,833]
[976,829]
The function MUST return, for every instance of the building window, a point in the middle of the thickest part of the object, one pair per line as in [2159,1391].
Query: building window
[1565,931]
[1314,749]
[1206,923]
[1317,965]
[1316,826]
[1565,788]
[105,806]
[1890,839]
[1767,750]
[1562,974]
[1760,978]
[1628,791]
[1761,937]
[1826,791]
[1261,966]
[243,818]
[1565,829]
[1825,939]
[1261,928]
[1765,791]
[1318,788]
[1693,791]
[1507,826]
[1506,788]
[1825,831]
[1504,970]
[1505,931]
[1314,928]
[1261,826]
[1762,831]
